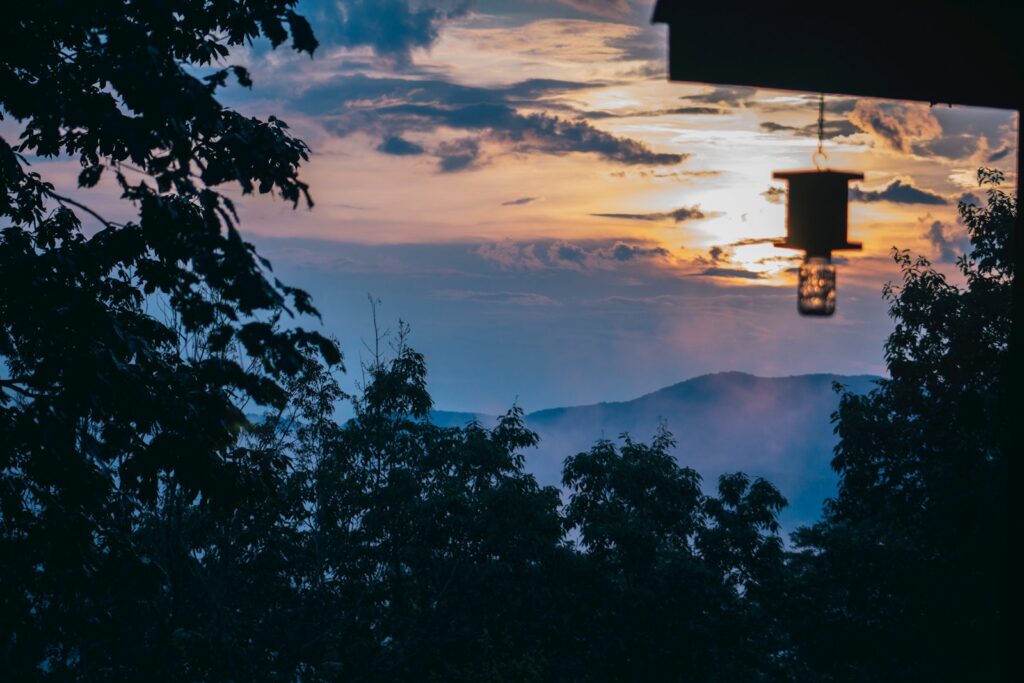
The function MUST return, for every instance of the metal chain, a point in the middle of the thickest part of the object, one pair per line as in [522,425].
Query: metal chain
[820,154]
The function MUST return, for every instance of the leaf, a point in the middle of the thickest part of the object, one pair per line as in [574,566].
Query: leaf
[303,39]
[242,74]
[90,176]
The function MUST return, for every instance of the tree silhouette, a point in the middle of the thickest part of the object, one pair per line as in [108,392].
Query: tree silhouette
[902,579]
[437,539]
[675,584]
[109,409]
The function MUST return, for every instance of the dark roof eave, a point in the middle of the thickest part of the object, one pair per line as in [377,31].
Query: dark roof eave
[661,12]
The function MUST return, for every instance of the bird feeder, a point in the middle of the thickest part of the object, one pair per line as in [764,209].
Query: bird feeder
[816,223]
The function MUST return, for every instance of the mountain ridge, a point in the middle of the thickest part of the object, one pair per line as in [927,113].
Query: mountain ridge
[446,414]
[778,428]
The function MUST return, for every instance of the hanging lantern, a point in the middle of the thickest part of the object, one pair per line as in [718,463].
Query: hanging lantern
[816,223]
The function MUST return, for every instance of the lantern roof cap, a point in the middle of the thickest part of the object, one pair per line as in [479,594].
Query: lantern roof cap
[845,245]
[814,172]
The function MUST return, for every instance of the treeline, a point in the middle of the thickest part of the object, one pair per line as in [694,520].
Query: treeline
[386,548]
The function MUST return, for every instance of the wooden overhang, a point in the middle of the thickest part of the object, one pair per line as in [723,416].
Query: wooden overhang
[943,51]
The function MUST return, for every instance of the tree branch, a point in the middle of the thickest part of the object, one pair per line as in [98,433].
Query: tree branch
[61,199]
[15,386]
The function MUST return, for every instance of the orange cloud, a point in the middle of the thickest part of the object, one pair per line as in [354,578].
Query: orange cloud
[896,126]
[611,9]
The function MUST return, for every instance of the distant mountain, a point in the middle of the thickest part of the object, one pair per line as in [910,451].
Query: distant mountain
[778,428]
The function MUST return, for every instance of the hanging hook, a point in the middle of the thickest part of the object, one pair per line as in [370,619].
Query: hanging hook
[819,157]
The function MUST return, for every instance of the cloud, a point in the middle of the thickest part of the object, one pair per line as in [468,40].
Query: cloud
[681,111]
[561,255]
[522,201]
[730,96]
[680,215]
[390,107]
[720,259]
[999,154]
[694,111]
[680,175]
[569,252]
[944,238]
[977,136]
[715,271]
[718,255]
[391,28]
[898,191]
[498,298]
[774,195]
[600,256]
[341,93]
[550,134]
[609,9]
[773,127]
[531,132]
[969,198]
[627,252]
[750,241]
[398,146]
[511,256]
[896,126]
[458,155]
[834,104]
[838,128]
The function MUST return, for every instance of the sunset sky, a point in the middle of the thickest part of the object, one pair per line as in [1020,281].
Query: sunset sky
[559,223]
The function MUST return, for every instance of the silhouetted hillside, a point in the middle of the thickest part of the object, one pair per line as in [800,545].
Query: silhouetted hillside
[778,428]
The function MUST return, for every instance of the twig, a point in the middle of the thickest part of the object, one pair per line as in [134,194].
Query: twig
[67,200]
[14,385]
